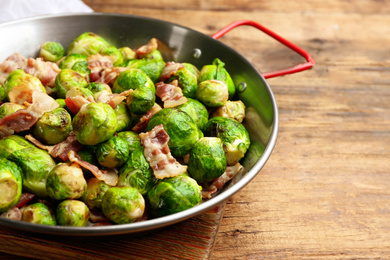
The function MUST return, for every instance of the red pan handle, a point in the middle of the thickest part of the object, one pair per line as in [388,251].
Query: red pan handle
[301,67]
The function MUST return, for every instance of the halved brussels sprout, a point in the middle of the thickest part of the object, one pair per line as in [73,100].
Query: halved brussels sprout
[39,213]
[53,127]
[51,51]
[141,100]
[181,128]
[207,160]
[78,91]
[66,181]
[232,109]
[10,184]
[67,79]
[113,153]
[123,116]
[94,193]
[88,43]
[94,123]
[9,108]
[196,110]
[18,77]
[127,53]
[133,79]
[72,213]
[123,204]
[98,88]
[233,134]
[212,93]
[172,195]
[137,173]
[77,62]
[151,67]
[113,51]
[187,81]
[132,139]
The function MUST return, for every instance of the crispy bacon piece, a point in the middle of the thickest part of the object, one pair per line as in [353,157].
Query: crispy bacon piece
[98,63]
[109,76]
[143,122]
[110,177]
[14,213]
[13,62]
[157,153]
[113,99]
[218,183]
[45,71]
[75,103]
[170,69]
[170,94]
[24,199]
[142,51]
[97,216]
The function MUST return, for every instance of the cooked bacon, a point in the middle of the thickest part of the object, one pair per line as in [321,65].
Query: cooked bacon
[170,69]
[45,71]
[24,199]
[109,76]
[13,213]
[110,177]
[157,153]
[143,122]
[144,50]
[13,62]
[97,63]
[75,103]
[170,94]
[113,99]
[96,215]
[218,183]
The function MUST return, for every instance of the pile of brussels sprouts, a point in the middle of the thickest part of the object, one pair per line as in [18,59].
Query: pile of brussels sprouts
[207,130]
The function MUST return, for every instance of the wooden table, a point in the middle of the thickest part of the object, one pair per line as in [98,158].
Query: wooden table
[325,191]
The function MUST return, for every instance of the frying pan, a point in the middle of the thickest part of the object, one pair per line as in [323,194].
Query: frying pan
[182,45]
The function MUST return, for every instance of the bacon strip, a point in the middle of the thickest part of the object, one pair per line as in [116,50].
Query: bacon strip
[75,103]
[110,177]
[113,99]
[144,50]
[45,71]
[157,153]
[98,63]
[170,69]
[170,94]
[218,183]
[13,62]
[109,76]
[24,199]
[13,213]
[143,122]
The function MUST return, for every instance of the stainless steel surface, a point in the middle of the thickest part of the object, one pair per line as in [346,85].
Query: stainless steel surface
[25,37]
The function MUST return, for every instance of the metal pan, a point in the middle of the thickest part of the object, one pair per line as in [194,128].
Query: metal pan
[185,45]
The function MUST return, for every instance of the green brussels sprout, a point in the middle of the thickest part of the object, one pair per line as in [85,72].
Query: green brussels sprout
[196,110]
[187,81]
[98,88]
[77,62]
[127,53]
[88,154]
[10,184]
[140,101]
[39,213]
[233,134]
[132,139]
[132,79]
[51,51]
[79,91]
[217,71]
[18,77]
[172,195]
[9,108]
[137,173]
[212,93]
[113,153]
[61,102]
[232,109]
[123,116]
[35,164]
[94,193]
[53,127]
[88,43]
[94,123]
[207,160]
[66,181]
[152,68]
[67,79]
[123,204]
[82,68]
[181,128]
[113,51]
[154,55]
[192,68]
[3,94]
[72,213]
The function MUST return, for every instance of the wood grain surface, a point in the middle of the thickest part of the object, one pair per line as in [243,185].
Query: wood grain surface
[325,191]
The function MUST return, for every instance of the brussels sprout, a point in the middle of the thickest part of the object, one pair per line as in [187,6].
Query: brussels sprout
[132,139]
[123,116]
[181,128]
[217,71]
[232,109]
[94,193]
[132,79]
[152,68]
[127,53]
[67,79]
[137,173]
[113,51]
[154,55]
[61,102]
[140,101]
[233,134]
[72,213]
[77,62]
[39,213]
[3,94]
[172,195]
[88,43]
[98,88]
[10,184]
[212,93]
[113,153]
[51,51]
[82,68]
[35,164]
[18,77]
[9,108]
[78,91]
[94,123]
[66,181]
[196,110]
[53,127]
[88,154]
[192,68]
[187,81]
[123,204]
[207,160]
